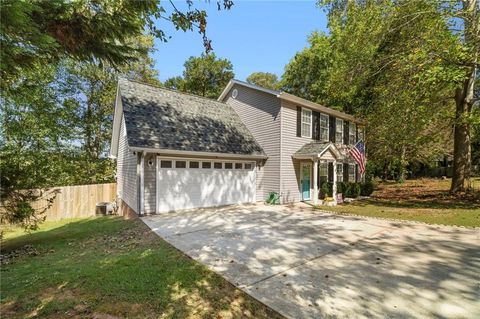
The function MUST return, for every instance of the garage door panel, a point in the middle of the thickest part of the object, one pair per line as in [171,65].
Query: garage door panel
[185,188]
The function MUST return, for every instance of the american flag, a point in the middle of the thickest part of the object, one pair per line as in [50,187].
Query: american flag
[358,154]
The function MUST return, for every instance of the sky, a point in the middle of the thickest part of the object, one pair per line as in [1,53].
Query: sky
[253,35]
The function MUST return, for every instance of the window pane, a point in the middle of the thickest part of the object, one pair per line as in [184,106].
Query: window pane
[248,166]
[339,172]
[238,165]
[352,132]
[166,164]
[180,164]
[351,173]
[323,169]
[194,164]
[324,127]
[206,165]
[217,165]
[306,122]
[228,165]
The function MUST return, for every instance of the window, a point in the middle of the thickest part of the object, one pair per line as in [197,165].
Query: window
[323,172]
[339,131]
[306,123]
[238,165]
[351,173]
[217,165]
[352,134]
[323,127]
[166,164]
[360,134]
[180,164]
[339,172]
[228,165]
[206,165]
[194,165]
[248,166]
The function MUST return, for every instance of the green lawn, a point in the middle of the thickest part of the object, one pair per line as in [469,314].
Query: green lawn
[102,267]
[423,200]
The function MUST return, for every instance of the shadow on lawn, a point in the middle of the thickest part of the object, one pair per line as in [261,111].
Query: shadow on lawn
[110,266]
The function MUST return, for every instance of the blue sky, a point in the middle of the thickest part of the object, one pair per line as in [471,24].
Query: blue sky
[253,35]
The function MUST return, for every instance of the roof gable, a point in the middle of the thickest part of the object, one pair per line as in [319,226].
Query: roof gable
[158,118]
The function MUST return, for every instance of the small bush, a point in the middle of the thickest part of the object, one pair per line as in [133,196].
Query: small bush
[355,190]
[326,189]
[366,188]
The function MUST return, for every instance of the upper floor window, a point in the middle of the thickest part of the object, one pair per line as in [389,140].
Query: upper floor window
[339,131]
[306,123]
[352,134]
[323,127]
[340,172]
[360,134]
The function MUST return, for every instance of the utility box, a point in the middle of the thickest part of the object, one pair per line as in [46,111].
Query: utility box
[104,208]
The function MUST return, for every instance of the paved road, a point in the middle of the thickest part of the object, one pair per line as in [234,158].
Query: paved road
[307,264]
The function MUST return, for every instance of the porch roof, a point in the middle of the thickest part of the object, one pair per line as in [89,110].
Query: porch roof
[317,150]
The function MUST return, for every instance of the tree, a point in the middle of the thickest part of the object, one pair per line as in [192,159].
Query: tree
[382,67]
[56,129]
[48,31]
[264,79]
[206,76]
[465,91]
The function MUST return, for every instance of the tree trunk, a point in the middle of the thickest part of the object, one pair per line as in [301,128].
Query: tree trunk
[464,98]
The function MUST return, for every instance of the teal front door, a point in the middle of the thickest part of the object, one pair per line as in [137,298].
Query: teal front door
[305,180]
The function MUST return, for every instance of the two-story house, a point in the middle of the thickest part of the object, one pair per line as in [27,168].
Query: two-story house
[178,151]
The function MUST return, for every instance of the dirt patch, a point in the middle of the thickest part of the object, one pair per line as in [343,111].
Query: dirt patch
[9,257]
[425,191]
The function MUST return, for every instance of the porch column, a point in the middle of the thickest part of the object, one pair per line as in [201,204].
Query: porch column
[334,187]
[315,181]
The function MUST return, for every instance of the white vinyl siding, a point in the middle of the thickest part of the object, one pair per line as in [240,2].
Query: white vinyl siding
[352,134]
[126,171]
[324,127]
[260,112]
[339,131]
[150,181]
[340,172]
[306,123]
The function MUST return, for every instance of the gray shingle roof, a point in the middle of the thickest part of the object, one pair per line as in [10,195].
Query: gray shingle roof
[164,119]
[312,148]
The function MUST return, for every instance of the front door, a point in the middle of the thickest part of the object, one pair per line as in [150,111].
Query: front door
[305,180]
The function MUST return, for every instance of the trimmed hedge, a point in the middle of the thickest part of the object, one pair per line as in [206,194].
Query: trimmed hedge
[351,190]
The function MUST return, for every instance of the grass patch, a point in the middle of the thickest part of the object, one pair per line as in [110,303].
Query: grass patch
[107,266]
[423,200]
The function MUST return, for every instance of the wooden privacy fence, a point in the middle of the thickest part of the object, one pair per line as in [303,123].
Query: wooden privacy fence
[75,201]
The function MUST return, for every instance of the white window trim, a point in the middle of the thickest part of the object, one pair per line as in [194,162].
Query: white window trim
[200,161]
[302,122]
[325,164]
[341,131]
[327,127]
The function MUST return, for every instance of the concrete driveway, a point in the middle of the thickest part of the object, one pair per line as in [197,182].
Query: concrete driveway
[307,264]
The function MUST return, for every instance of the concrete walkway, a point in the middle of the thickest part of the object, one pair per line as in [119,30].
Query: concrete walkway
[307,264]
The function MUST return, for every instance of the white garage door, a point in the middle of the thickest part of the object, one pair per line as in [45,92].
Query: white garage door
[191,183]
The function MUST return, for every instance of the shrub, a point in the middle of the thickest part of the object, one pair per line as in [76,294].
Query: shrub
[326,189]
[340,187]
[355,190]
[367,188]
